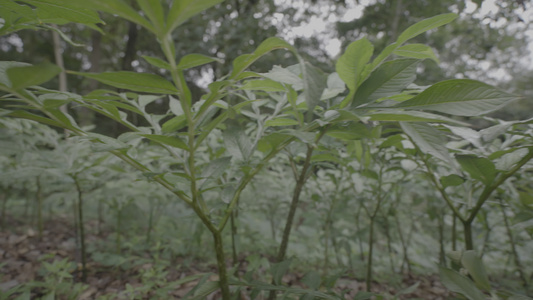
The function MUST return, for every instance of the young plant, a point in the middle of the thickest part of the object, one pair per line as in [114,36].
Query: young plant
[305,107]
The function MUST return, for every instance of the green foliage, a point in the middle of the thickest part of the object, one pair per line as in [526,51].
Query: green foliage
[359,133]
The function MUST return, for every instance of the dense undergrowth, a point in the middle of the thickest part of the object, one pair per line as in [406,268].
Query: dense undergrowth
[355,174]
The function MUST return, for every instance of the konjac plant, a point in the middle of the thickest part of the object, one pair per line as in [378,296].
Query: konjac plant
[218,142]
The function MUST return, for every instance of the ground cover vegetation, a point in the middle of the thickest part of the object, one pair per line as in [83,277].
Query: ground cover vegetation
[280,180]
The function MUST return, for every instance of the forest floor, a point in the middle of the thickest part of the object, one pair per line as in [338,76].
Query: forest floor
[23,254]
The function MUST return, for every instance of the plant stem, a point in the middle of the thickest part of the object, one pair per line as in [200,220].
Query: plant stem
[221,265]
[300,182]
[3,198]
[294,204]
[233,234]
[442,254]
[469,242]
[513,246]
[39,196]
[82,231]
[370,252]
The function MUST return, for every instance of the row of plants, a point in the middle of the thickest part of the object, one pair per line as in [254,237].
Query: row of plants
[364,146]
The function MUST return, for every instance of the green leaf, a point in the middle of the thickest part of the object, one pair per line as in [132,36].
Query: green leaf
[409,33]
[289,75]
[139,82]
[471,261]
[314,85]
[458,283]
[428,139]
[244,61]
[312,280]
[279,269]
[266,85]
[462,97]
[4,66]
[410,116]
[183,10]
[425,25]
[115,7]
[479,168]
[451,180]
[281,122]
[157,62]
[174,124]
[389,79]
[195,60]
[105,143]
[205,289]
[418,51]
[29,116]
[238,143]
[154,12]
[351,64]
[172,141]
[49,9]
[21,77]
[216,167]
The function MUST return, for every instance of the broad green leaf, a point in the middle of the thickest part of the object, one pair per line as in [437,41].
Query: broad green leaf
[281,122]
[238,144]
[195,60]
[462,97]
[418,51]
[157,62]
[22,77]
[364,296]
[425,25]
[388,79]
[451,180]
[154,11]
[29,116]
[508,160]
[458,283]
[216,167]
[312,280]
[351,64]
[175,106]
[183,10]
[139,82]
[279,269]
[411,116]
[314,85]
[471,261]
[351,131]
[490,133]
[326,157]
[115,7]
[289,75]
[409,289]
[428,139]
[4,66]
[266,85]
[244,61]
[335,86]
[467,134]
[104,143]
[172,141]
[48,9]
[479,168]
[205,289]
[409,33]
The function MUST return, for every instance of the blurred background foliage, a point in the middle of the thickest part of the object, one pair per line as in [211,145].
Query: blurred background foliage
[488,42]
